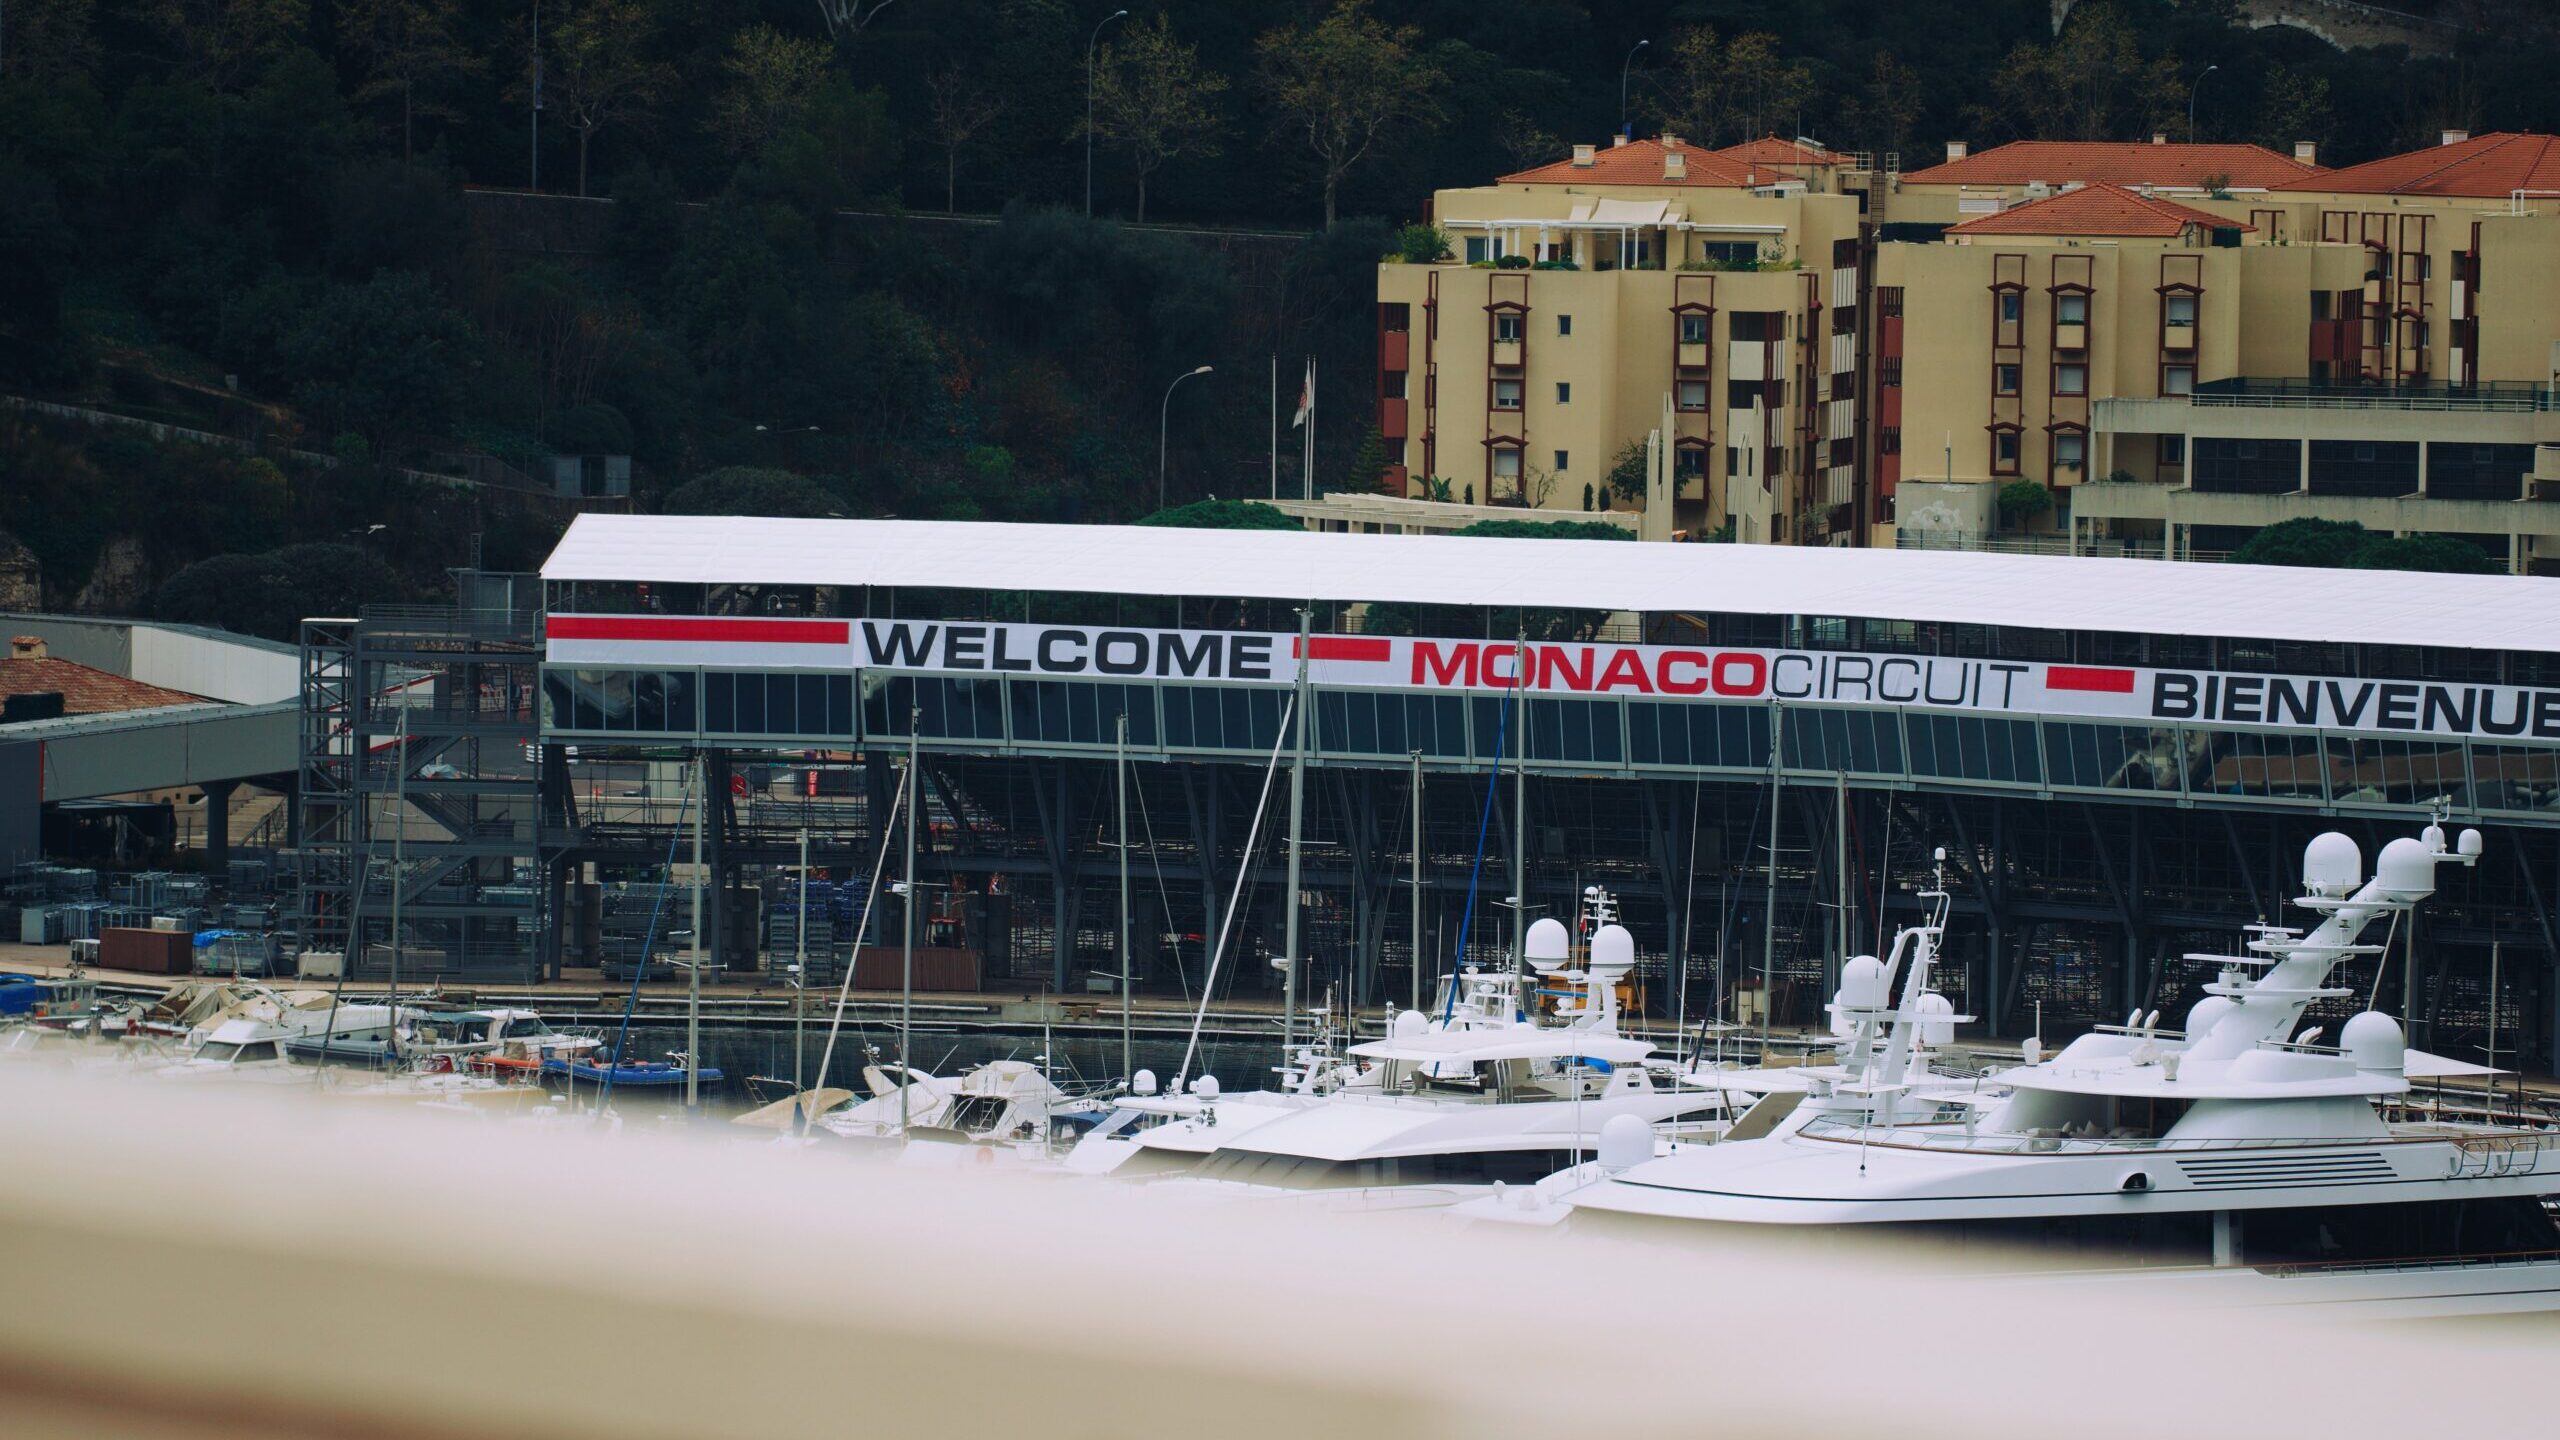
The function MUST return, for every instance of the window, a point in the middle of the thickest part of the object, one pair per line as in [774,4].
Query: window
[1693,395]
[1690,462]
[1889,372]
[2182,309]
[1478,249]
[1889,440]
[2173,449]
[2004,379]
[1740,394]
[2178,380]
[2004,452]
[1391,384]
[1506,394]
[1564,461]
[2070,379]
[1749,326]
[1564,325]
[1564,392]
[2071,308]
[1395,316]
[2070,449]
[1506,326]
[2012,305]
[1693,329]
[1889,300]
[1506,463]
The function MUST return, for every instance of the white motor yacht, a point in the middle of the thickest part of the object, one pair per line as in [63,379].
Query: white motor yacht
[2236,1156]
[1441,1115]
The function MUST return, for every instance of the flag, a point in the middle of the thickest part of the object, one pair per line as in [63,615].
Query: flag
[1306,399]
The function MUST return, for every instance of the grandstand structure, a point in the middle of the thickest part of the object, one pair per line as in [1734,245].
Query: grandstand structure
[1758,748]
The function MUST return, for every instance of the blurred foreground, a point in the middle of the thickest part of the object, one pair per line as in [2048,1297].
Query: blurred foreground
[185,1261]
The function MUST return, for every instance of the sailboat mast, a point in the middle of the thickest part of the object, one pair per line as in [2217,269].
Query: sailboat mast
[1297,828]
[1520,816]
[1769,900]
[907,928]
[399,878]
[693,967]
[1416,787]
[1128,1042]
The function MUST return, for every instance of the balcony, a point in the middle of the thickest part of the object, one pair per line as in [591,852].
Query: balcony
[2176,336]
[1509,353]
[2071,337]
[2519,396]
[1391,418]
[1395,350]
[1692,355]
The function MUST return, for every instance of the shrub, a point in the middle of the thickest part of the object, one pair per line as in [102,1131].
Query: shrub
[1421,244]
[1512,262]
[1223,515]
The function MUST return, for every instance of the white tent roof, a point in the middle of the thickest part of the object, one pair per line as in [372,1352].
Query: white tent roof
[2374,607]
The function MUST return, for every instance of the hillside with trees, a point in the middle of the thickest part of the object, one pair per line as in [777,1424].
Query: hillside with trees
[821,257]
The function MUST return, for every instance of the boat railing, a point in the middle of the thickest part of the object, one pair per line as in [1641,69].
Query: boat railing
[2484,1153]
[2300,1268]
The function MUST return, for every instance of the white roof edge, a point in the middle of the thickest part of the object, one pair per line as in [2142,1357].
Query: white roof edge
[2373,607]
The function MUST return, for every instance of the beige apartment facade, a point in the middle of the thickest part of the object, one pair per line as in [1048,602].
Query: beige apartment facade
[2377,343]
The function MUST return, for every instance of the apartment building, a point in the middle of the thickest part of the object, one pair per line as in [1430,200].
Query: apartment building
[2182,343]
[1713,296]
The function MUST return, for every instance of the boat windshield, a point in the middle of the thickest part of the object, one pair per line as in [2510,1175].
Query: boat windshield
[978,1114]
[239,1052]
[1298,1172]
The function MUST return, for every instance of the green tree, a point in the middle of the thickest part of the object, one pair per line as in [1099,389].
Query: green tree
[748,490]
[956,110]
[1890,104]
[1715,91]
[600,72]
[222,42]
[1546,530]
[2306,542]
[1626,478]
[2023,500]
[2293,105]
[408,47]
[2441,554]
[1368,463]
[1344,82]
[2091,82]
[268,593]
[48,40]
[1223,515]
[769,81]
[1421,243]
[1153,99]
[384,359]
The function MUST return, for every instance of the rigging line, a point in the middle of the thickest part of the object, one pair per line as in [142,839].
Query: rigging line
[1209,981]
[648,944]
[2382,962]
[1164,893]
[870,901]
[1475,870]
[1688,911]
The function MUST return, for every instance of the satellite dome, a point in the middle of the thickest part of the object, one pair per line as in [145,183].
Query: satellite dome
[2373,1041]
[1937,1019]
[1410,1023]
[1206,1087]
[2332,864]
[2208,1012]
[1862,984]
[1613,950]
[1143,1083]
[2407,870]
[1546,944]
[1625,1142]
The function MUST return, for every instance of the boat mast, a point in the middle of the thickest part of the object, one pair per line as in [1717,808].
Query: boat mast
[907,927]
[1416,787]
[399,881]
[1769,898]
[1520,816]
[693,966]
[800,969]
[1297,827]
[1128,1042]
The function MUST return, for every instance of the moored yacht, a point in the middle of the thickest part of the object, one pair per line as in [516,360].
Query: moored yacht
[2236,1153]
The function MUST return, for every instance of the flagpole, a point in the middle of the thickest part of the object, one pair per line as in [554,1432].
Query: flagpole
[1275,424]
[1307,473]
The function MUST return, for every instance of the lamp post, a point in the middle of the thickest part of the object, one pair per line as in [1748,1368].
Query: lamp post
[1164,413]
[1622,83]
[1089,43]
[2191,101]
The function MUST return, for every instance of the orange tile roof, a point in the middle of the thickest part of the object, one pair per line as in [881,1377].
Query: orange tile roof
[2058,162]
[2097,210]
[84,690]
[1639,162]
[1770,150]
[2494,165]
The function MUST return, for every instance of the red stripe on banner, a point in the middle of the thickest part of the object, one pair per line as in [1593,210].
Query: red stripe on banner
[726,632]
[1345,647]
[2084,677]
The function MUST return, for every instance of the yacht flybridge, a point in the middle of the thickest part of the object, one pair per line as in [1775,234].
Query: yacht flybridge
[2234,1143]
[1443,1112]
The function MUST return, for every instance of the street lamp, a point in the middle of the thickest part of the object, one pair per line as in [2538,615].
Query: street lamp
[1622,85]
[2191,101]
[1163,413]
[1088,107]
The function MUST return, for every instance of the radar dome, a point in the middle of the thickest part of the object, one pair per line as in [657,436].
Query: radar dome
[1625,1142]
[1206,1087]
[2469,844]
[1410,1023]
[2208,1012]
[1937,1019]
[2406,869]
[1143,1083]
[2332,865]
[1862,983]
[1613,950]
[2373,1041]
[1546,944]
